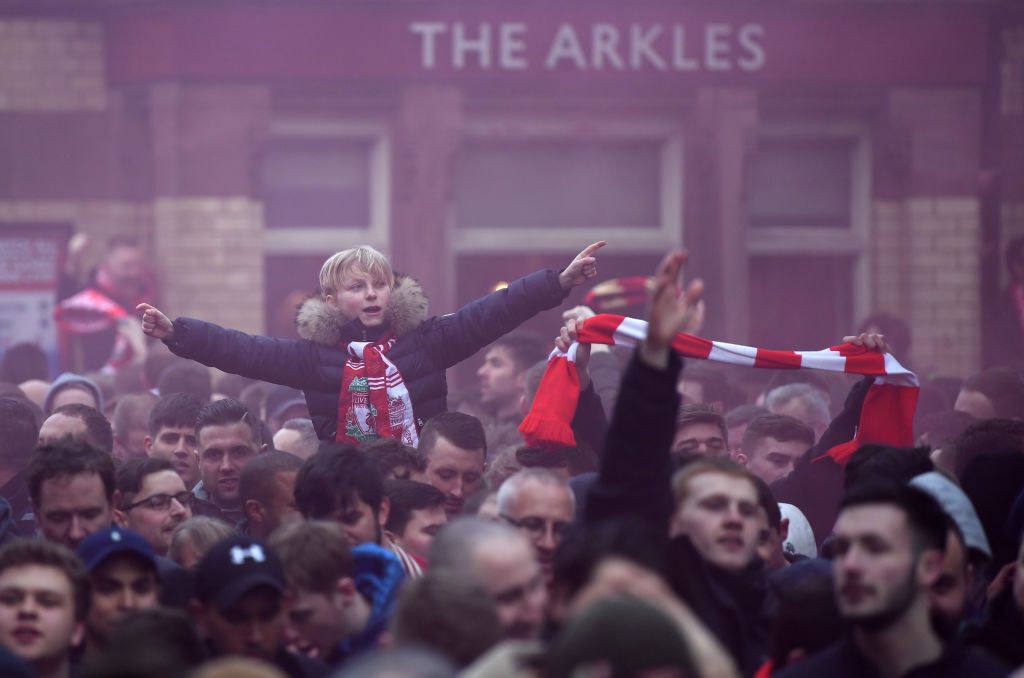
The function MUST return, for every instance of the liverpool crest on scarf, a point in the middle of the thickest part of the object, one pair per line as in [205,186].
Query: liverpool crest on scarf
[374,401]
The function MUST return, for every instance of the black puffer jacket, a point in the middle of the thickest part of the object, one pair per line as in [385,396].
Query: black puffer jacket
[426,347]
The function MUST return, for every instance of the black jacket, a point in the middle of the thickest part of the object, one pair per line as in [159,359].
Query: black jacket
[426,347]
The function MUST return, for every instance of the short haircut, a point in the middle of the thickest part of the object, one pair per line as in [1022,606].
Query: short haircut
[713,383]
[701,414]
[391,454]
[987,436]
[363,257]
[806,613]
[461,430]
[177,410]
[813,398]
[744,414]
[27,552]
[778,426]
[19,432]
[333,477]
[257,478]
[305,429]
[226,412]
[700,465]
[456,543]
[98,431]
[766,500]
[896,464]
[524,348]
[69,457]
[315,554]
[132,412]
[187,377]
[514,483]
[532,456]
[201,532]
[132,474]
[165,639]
[406,496]
[1004,386]
[928,523]
[24,361]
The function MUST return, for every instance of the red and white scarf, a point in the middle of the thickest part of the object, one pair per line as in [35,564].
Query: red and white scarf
[374,401]
[887,416]
[89,312]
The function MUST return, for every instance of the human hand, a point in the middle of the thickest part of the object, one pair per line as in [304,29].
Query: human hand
[582,268]
[870,341]
[155,323]
[568,334]
[671,311]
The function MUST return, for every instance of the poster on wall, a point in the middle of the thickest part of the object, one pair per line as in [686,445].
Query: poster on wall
[31,265]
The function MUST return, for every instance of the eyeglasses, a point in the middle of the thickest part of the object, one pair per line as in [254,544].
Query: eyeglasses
[162,502]
[536,526]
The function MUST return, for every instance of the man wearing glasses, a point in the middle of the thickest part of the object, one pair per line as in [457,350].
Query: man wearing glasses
[541,505]
[151,499]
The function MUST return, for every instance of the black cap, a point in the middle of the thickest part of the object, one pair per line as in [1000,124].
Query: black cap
[235,566]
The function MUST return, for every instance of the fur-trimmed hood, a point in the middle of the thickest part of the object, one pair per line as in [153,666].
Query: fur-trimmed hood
[319,322]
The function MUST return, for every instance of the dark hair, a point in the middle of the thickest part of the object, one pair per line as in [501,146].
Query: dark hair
[766,500]
[315,554]
[778,426]
[461,430]
[524,348]
[333,477]
[896,331]
[391,454]
[806,614]
[69,457]
[177,410]
[532,456]
[407,496]
[744,414]
[24,552]
[19,432]
[156,642]
[987,436]
[872,462]
[132,474]
[226,412]
[24,361]
[257,478]
[701,414]
[98,431]
[1004,386]
[186,377]
[928,523]
[713,383]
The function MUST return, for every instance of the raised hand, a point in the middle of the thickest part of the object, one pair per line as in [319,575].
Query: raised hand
[872,341]
[671,311]
[568,334]
[155,323]
[582,268]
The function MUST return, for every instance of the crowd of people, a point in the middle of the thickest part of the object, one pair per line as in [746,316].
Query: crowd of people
[323,506]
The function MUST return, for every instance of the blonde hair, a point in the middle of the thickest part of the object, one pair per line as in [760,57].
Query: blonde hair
[363,257]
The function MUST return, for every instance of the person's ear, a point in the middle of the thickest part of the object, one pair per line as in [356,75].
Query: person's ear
[77,634]
[929,566]
[254,511]
[741,459]
[346,590]
[147,445]
[383,511]
[120,517]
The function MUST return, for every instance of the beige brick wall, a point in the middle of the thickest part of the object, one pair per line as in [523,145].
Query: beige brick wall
[51,65]
[210,259]
[1012,72]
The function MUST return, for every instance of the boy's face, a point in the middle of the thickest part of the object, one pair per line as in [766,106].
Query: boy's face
[361,296]
[120,584]
[37,613]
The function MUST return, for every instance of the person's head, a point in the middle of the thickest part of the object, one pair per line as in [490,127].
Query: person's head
[736,422]
[123,572]
[553,459]
[395,460]
[72,488]
[341,484]
[152,500]
[155,638]
[229,437]
[283,403]
[872,462]
[172,434]
[772,444]
[19,432]
[81,422]
[803,402]
[717,504]
[44,600]
[887,550]
[123,263]
[455,448]
[996,392]
[947,595]
[501,560]
[22,362]
[72,389]
[704,384]
[298,437]
[806,614]
[416,514]
[700,430]
[896,331]
[267,489]
[186,377]
[131,424]
[773,529]
[986,436]
[193,538]
[357,283]
[541,506]
[940,431]
[238,604]
[502,375]
[322,599]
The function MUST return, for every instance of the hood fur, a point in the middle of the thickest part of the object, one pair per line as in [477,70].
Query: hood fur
[319,322]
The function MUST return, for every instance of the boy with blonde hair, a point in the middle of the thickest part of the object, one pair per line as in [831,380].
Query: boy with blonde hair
[370,361]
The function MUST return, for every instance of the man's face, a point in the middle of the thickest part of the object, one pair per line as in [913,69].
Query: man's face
[720,515]
[149,517]
[124,266]
[976,404]
[59,425]
[699,438]
[420,530]
[120,584]
[73,396]
[280,508]
[509,572]
[253,626]
[362,525]
[875,567]
[542,512]
[362,296]
[37,613]
[71,507]
[771,460]
[948,594]
[315,622]
[177,444]
[456,472]
[224,450]
[501,383]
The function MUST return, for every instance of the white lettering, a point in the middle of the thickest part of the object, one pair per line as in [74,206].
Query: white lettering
[463,45]
[565,46]
[605,46]
[253,553]
[716,47]
[641,46]
[750,36]
[427,32]
[513,44]
[679,59]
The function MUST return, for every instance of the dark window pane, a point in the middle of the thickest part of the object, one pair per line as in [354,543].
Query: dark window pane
[317,184]
[801,183]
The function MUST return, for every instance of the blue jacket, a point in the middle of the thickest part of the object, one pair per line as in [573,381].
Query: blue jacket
[426,347]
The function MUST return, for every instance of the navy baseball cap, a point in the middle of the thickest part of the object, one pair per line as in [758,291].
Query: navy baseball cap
[235,566]
[99,546]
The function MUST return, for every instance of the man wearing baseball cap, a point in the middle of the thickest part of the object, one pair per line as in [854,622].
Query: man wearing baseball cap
[239,589]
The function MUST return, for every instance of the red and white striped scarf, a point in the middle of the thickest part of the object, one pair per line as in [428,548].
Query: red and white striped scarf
[887,415]
[374,401]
